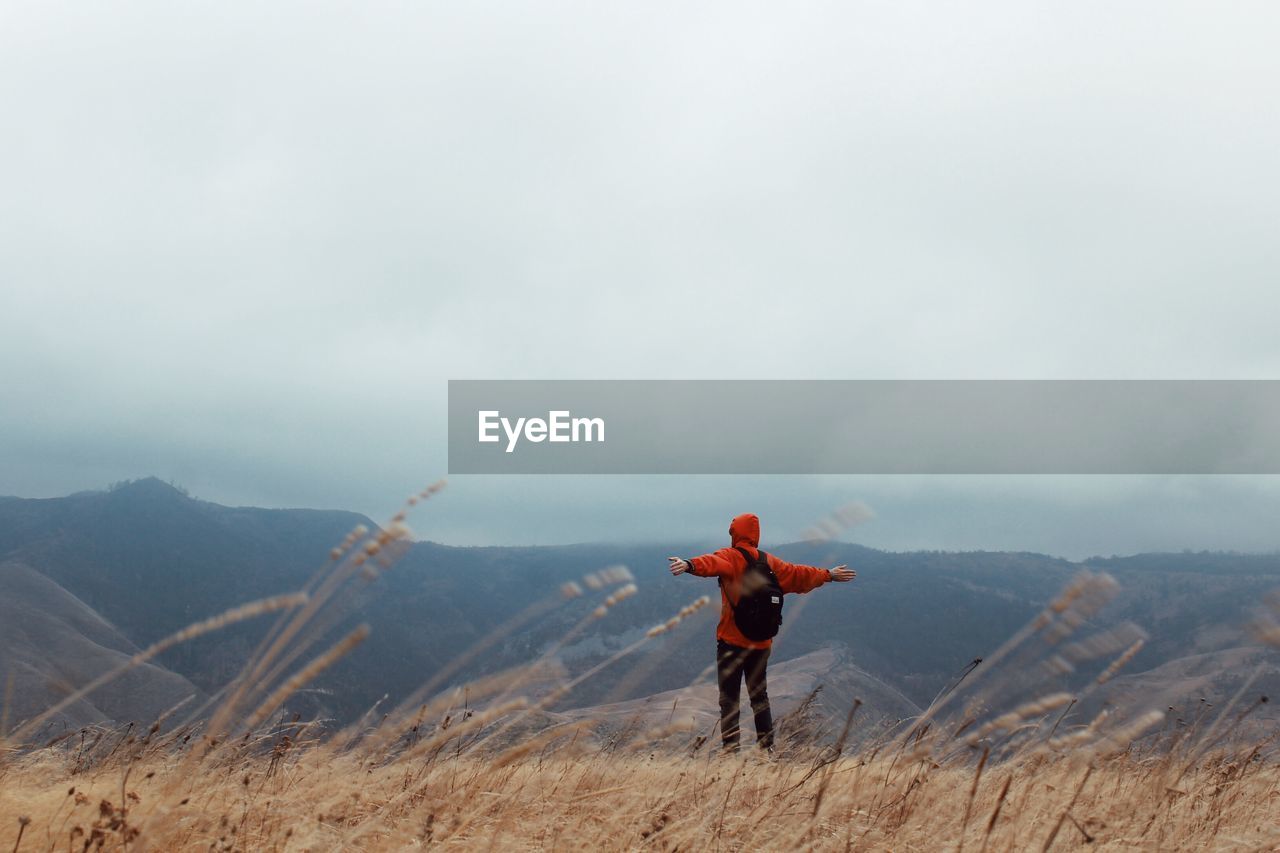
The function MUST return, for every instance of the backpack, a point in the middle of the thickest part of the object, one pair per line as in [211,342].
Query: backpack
[758,613]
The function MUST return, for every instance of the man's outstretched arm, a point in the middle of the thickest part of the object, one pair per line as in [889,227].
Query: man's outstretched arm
[717,565]
[800,579]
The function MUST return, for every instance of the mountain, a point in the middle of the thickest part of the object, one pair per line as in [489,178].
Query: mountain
[826,679]
[52,642]
[150,559]
[1194,689]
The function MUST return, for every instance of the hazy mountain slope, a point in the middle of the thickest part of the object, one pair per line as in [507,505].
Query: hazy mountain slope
[51,643]
[1191,603]
[185,556]
[1195,689]
[151,559]
[694,710]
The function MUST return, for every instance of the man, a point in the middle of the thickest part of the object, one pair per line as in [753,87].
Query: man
[736,654]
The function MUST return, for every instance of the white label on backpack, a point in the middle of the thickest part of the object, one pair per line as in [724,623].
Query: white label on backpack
[776,600]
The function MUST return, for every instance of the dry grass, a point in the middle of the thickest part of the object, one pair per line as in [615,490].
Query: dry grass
[590,799]
[991,765]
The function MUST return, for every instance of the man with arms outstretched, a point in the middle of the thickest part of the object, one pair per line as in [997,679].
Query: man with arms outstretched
[738,655]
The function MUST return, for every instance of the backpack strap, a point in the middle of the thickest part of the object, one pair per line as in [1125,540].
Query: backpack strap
[746,556]
[761,556]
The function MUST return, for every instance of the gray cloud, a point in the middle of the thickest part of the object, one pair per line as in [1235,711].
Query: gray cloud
[244,245]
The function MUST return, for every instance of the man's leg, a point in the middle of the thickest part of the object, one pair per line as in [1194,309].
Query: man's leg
[729,663]
[758,690]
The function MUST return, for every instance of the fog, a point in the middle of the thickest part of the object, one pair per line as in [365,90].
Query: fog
[245,245]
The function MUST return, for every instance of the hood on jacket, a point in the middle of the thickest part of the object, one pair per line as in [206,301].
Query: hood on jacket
[745,530]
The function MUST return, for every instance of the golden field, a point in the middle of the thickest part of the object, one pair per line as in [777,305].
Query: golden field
[146,797]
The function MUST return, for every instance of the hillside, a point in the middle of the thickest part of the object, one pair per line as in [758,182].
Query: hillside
[51,642]
[826,675]
[150,559]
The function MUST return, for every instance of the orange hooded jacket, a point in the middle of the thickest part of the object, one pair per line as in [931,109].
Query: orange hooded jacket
[728,565]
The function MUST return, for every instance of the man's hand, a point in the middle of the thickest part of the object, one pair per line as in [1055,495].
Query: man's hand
[678,566]
[842,574]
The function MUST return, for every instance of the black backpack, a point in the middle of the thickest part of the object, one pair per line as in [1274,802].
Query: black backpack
[758,613]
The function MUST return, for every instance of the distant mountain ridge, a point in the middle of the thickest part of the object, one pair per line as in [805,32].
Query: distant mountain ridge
[150,559]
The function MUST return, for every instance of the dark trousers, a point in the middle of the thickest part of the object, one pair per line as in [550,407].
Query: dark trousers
[732,664]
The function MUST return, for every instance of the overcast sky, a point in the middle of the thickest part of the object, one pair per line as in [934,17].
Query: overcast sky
[244,245]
